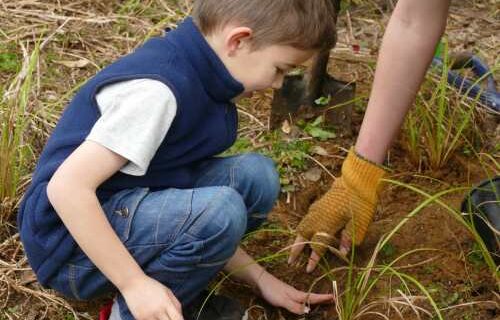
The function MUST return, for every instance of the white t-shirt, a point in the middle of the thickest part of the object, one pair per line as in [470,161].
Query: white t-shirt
[135,118]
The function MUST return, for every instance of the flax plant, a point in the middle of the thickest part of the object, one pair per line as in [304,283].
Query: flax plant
[353,302]
[442,121]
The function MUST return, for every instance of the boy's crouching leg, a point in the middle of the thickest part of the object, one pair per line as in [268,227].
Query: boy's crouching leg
[203,243]
[252,175]
[206,241]
[180,237]
[258,181]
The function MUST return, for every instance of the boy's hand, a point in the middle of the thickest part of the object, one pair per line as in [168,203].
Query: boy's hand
[351,202]
[149,299]
[280,294]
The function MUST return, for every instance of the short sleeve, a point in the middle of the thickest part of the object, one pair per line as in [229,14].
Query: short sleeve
[135,118]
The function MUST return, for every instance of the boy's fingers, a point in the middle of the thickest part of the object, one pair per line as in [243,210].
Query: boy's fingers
[163,317]
[298,296]
[173,313]
[315,298]
[176,302]
[173,300]
[174,305]
[295,307]
[296,249]
[294,301]
[313,262]
[300,301]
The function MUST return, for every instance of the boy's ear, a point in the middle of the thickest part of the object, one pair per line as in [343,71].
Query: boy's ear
[237,38]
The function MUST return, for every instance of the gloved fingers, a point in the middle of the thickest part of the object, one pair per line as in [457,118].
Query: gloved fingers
[297,247]
[320,242]
[309,228]
[312,262]
[345,243]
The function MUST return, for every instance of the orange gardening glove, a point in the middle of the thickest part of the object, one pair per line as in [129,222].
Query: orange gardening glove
[350,202]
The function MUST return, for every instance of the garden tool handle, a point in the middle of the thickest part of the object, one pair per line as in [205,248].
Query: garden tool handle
[489,96]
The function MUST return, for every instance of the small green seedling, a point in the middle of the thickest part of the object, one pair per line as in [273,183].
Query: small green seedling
[323,101]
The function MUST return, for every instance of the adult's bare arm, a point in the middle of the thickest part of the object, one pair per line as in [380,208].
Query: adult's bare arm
[407,49]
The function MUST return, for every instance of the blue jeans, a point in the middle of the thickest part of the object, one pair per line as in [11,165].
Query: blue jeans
[181,237]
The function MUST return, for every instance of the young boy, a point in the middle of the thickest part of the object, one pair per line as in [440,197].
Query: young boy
[128,193]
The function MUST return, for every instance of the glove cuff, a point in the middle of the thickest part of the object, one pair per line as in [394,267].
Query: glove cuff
[362,175]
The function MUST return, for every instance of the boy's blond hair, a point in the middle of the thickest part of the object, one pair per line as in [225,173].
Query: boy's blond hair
[303,24]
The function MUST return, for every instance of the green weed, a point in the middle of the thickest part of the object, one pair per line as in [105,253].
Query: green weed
[69,316]
[475,256]
[130,7]
[388,251]
[9,62]
[323,101]
[242,145]
[290,155]
[315,129]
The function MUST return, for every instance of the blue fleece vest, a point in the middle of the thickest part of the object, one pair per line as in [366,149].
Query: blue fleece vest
[204,126]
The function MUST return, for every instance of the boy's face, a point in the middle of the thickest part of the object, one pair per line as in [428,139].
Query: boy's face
[265,67]
[256,69]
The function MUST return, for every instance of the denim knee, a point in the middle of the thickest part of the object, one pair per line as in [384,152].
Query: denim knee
[225,222]
[230,208]
[260,171]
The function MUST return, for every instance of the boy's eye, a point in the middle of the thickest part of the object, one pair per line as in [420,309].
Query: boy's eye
[279,70]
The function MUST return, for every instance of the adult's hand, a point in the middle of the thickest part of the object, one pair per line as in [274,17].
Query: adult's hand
[350,203]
